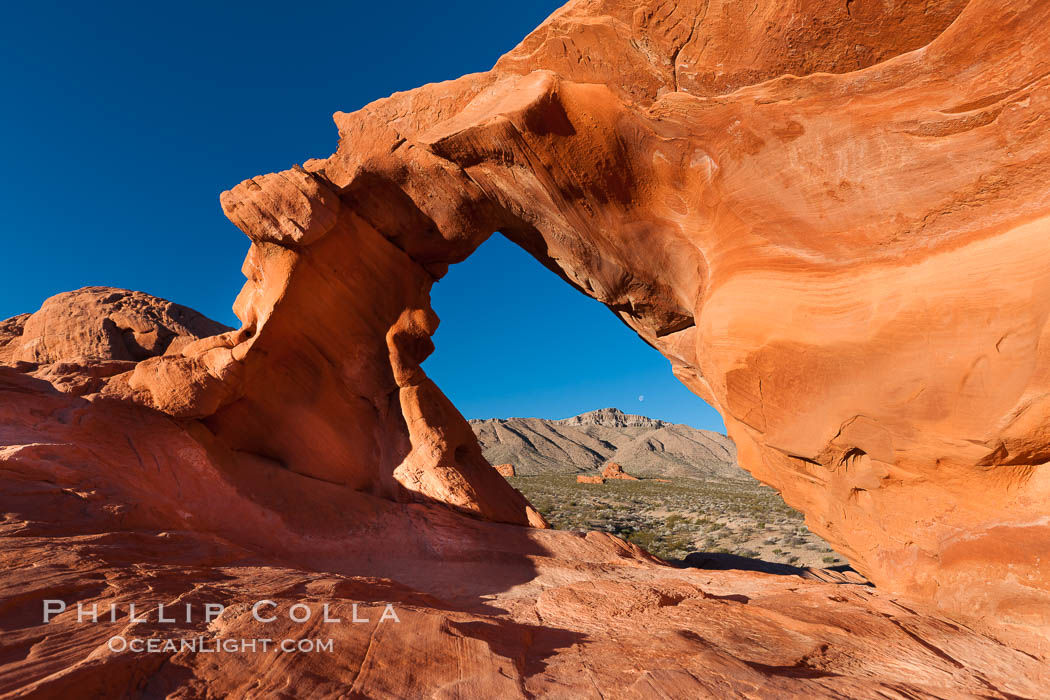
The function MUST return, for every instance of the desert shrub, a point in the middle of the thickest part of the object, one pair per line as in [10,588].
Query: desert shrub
[674,519]
[691,510]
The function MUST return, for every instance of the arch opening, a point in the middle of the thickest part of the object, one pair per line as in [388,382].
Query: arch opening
[555,389]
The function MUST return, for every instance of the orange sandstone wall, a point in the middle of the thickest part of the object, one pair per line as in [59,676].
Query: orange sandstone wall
[832,218]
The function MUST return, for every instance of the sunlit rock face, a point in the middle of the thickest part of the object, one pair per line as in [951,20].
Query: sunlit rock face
[80,341]
[832,218]
[102,324]
[107,503]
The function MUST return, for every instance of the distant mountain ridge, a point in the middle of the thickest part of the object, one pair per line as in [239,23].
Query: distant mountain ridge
[643,446]
[613,417]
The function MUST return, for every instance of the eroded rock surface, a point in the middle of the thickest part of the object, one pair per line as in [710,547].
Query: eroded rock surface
[615,471]
[107,503]
[832,218]
[841,247]
[91,339]
[103,323]
[10,336]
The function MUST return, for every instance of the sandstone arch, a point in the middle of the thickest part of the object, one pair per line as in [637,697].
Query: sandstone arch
[842,250]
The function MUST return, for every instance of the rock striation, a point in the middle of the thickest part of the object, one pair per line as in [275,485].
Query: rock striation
[584,443]
[11,336]
[840,248]
[107,503]
[842,256]
[91,340]
[103,323]
[832,218]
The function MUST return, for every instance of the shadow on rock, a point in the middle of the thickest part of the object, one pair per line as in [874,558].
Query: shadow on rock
[723,561]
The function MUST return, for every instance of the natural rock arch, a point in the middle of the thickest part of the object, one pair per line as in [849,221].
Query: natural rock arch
[849,265]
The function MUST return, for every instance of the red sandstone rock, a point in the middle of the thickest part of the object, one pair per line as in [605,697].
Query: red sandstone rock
[589,479]
[832,218]
[108,503]
[102,323]
[615,471]
[90,340]
[837,243]
[10,333]
[505,469]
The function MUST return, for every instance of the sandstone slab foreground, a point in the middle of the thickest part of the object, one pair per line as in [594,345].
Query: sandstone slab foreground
[832,218]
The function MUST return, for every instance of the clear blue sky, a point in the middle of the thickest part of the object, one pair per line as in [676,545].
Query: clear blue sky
[516,340]
[122,122]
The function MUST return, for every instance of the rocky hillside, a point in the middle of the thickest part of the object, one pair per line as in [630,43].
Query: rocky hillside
[642,446]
